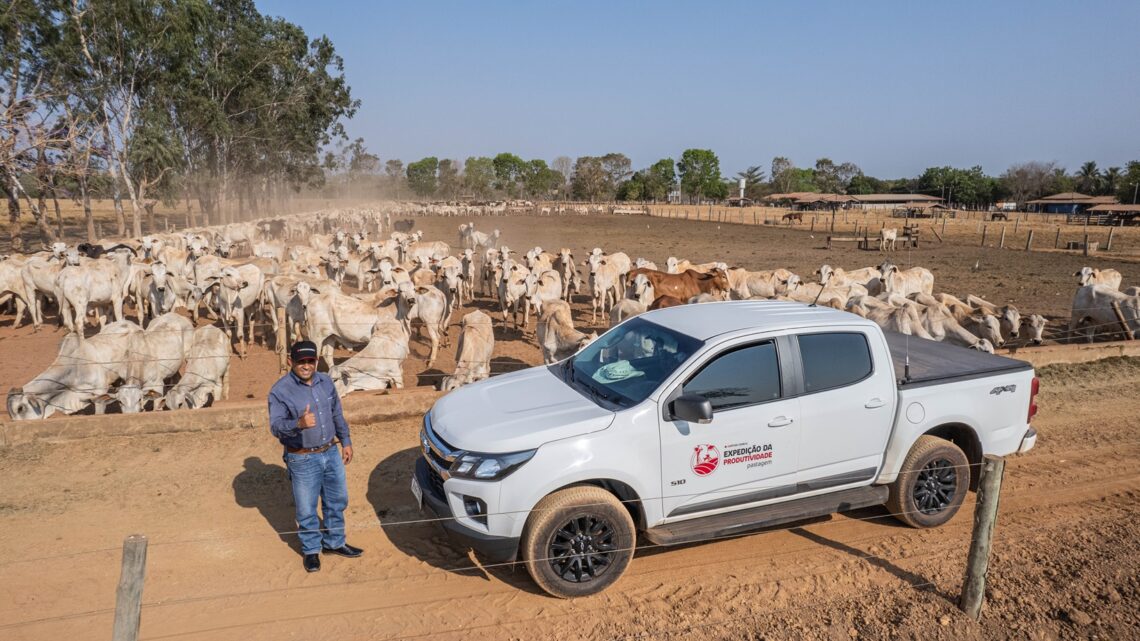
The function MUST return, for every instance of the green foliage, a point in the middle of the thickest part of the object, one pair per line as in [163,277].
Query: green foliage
[970,187]
[509,170]
[589,180]
[450,182]
[699,170]
[422,176]
[1129,183]
[479,176]
[540,181]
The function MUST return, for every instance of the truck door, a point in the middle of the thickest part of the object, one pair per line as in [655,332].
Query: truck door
[748,452]
[847,405]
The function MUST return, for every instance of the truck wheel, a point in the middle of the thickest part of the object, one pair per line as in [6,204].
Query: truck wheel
[931,485]
[578,541]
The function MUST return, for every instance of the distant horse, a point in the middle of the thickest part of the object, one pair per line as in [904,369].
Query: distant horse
[793,217]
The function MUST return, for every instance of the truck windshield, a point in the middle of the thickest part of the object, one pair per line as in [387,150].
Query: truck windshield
[627,363]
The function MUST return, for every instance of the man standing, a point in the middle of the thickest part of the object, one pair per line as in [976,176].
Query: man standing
[305,414]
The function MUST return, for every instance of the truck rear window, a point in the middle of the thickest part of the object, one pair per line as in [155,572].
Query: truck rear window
[834,360]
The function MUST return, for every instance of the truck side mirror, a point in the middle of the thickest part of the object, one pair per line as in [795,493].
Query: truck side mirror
[693,408]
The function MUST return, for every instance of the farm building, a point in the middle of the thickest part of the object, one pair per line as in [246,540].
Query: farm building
[1070,202]
[891,201]
[1114,214]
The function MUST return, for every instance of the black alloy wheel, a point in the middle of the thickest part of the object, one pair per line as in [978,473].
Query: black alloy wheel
[935,486]
[581,550]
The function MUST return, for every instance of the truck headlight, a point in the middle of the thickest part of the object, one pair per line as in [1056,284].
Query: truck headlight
[489,467]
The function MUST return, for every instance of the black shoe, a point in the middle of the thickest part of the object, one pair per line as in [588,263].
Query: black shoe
[312,563]
[345,550]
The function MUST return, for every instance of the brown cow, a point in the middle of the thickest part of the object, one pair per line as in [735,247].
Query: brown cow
[661,302]
[684,285]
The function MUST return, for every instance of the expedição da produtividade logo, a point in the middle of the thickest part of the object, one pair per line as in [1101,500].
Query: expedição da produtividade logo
[705,459]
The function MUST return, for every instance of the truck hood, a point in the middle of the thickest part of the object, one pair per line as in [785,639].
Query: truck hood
[514,412]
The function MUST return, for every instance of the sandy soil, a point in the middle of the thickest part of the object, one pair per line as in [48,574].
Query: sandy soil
[1065,563]
[1037,282]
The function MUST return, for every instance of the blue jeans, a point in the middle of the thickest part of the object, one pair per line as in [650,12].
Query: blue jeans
[319,476]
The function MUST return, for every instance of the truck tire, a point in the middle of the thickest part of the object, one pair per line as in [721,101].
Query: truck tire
[578,541]
[931,485]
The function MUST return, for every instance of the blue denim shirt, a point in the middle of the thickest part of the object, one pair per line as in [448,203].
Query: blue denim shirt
[287,401]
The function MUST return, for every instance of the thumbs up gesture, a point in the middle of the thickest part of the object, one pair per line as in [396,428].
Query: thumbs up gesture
[307,420]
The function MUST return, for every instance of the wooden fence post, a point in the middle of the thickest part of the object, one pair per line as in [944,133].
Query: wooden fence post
[985,518]
[813,223]
[985,228]
[1029,241]
[128,597]
[1108,245]
[1086,247]
[1016,222]
[1123,323]
[1001,243]
[1057,240]
[943,227]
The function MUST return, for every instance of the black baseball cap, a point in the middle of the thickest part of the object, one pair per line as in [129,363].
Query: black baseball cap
[303,350]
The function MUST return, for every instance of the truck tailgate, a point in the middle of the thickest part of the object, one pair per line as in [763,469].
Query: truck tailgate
[932,362]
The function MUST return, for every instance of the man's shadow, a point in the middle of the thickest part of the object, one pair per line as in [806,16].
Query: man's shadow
[267,488]
[419,533]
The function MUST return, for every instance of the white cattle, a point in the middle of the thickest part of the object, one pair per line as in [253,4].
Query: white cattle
[39,276]
[333,317]
[568,271]
[480,240]
[207,375]
[1092,276]
[512,289]
[287,296]
[96,282]
[238,293]
[626,308]
[466,276]
[450,274]
[1095,309]
[1007,315]
[153,356]
[944,327]
[158,293]
[888,237]
[556,334]
[868,277]
[434,250]
[905,283]
[744,284]
[12,287]
[541,287]
[642,263]
[607,278]
[81,374]
[378,366]
[1035,324]
[473,358]
[902,318]
[431,309]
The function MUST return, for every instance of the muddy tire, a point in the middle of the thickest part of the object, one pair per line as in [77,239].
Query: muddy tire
[578,541]
[931,485]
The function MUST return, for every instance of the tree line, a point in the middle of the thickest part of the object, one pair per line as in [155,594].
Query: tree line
[696,177]
[146,100]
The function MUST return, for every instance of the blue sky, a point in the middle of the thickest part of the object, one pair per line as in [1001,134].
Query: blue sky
[891,86]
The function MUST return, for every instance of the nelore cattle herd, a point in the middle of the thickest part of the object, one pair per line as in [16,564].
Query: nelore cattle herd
[360,280]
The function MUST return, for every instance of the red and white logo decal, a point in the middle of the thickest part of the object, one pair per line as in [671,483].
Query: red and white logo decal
[705,459]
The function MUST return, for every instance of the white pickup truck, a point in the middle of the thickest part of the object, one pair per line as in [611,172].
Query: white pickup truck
[704,421]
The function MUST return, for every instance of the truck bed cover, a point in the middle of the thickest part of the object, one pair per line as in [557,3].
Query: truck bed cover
[933,362]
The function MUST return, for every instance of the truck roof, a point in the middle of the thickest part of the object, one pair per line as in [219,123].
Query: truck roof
[705,320]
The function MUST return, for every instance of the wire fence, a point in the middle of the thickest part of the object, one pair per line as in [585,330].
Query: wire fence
[631,603]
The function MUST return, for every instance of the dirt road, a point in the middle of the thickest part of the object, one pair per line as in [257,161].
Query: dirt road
[1065,559]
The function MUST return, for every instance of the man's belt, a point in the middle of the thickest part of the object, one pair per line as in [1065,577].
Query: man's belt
[309,450]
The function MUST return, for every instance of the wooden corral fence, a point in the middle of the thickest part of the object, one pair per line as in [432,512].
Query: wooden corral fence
[1012,230]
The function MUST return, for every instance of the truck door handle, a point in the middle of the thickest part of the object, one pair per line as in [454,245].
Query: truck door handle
[779,421]
[874,403]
